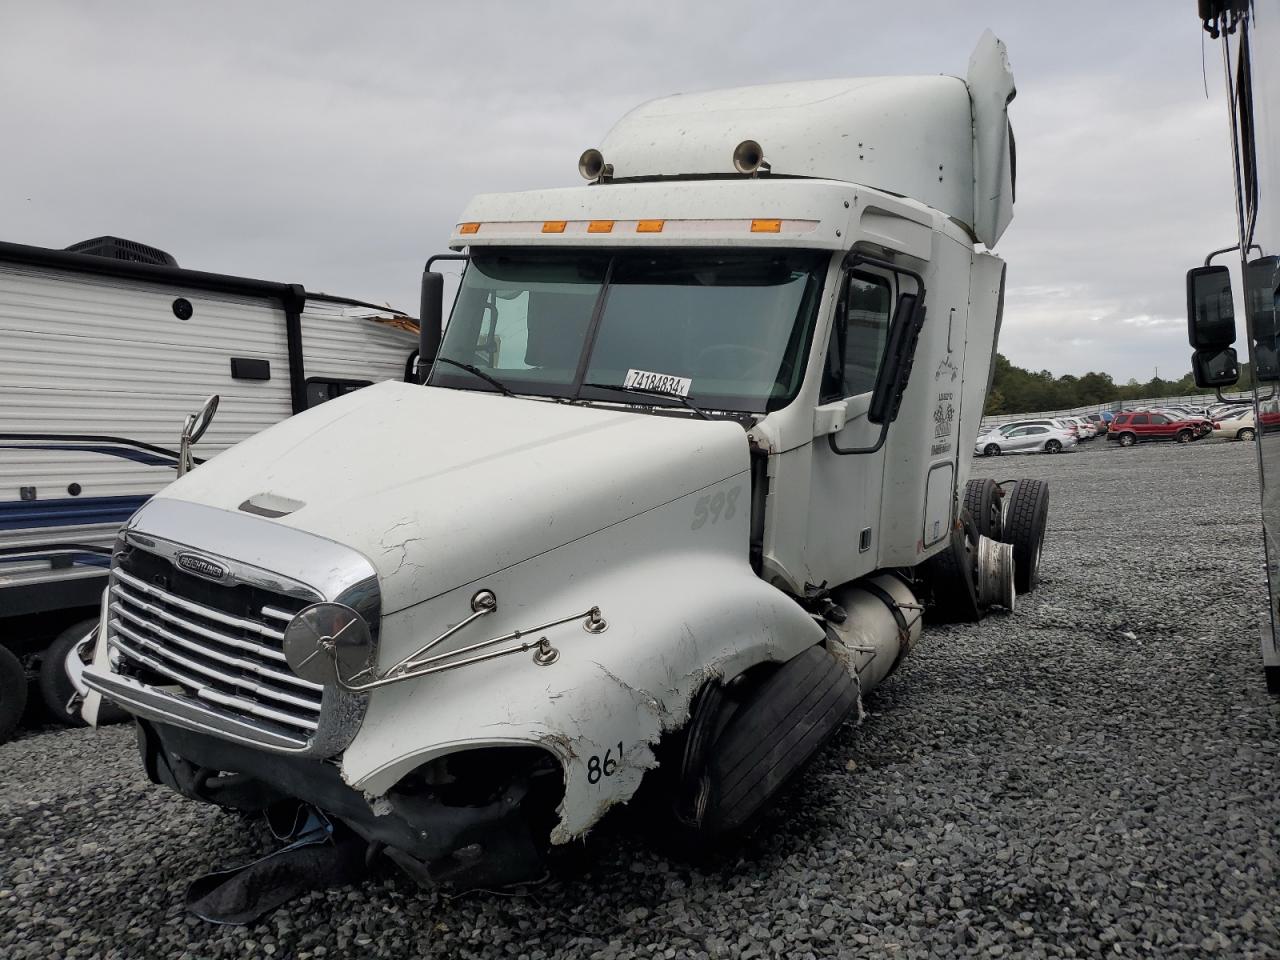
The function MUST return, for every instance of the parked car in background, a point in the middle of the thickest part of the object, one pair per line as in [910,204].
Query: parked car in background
[1236,425]
[1099,421]
[1203,425]
[1137,427]
[1031,438]
[1085,427]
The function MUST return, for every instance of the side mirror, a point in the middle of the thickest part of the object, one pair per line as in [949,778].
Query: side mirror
[900,352]
[1211,318]
[1215,368]
[430,322]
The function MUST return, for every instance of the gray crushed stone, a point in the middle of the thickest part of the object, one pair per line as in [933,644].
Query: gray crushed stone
[1094,776]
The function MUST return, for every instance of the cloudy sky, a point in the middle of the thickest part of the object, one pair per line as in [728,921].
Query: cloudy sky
[335,144]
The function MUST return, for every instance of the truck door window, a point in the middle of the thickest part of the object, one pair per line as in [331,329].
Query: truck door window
[858,337]
[1159,418]
[1139,419]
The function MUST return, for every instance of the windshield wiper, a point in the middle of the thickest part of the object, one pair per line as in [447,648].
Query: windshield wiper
[476,371]
[653,393]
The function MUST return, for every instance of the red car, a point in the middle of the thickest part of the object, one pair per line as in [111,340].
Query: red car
[1130,428]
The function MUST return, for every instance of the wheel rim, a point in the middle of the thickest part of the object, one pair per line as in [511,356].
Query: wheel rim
[1246,434]
[1126,441]
[1053,446]
[1184,437]
[992,450]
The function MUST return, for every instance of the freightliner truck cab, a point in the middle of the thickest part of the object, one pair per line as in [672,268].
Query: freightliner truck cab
[686,472]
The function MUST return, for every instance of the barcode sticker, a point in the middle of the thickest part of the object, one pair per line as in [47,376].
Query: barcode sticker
[658,382]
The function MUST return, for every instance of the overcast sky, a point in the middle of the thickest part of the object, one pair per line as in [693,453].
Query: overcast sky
[335,144]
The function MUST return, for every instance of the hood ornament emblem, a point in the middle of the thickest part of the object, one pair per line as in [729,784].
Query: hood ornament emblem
[202,567]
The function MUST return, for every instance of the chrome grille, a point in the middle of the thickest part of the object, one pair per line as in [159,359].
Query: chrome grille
[220,644]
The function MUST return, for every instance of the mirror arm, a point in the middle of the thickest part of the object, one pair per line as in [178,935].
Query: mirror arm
[1234,246]
[1244,399]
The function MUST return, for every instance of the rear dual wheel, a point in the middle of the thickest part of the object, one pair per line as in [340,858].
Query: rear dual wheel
[1025,522]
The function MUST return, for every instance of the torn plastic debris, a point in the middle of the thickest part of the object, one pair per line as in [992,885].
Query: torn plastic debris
[318,857]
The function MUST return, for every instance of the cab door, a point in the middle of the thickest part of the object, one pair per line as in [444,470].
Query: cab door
[845,491]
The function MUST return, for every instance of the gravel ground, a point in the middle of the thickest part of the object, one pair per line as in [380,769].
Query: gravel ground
[1094,775]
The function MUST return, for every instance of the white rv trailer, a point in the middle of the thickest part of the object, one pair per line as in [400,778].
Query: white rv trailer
[101,358]
[689,467]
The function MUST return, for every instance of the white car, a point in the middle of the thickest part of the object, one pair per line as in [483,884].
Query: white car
[1032,438]
[1085,429]
[1236,425]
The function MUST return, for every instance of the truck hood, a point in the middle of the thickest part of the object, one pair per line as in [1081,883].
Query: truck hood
[440,487]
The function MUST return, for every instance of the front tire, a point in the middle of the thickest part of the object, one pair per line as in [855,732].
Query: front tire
[55,685]
[1246,434]
[13,693]
[1184,436]
[991,450]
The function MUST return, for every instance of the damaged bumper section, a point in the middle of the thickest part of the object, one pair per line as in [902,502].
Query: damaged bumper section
[466,820]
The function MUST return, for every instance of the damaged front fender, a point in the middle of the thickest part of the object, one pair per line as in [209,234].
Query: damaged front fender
[676,618]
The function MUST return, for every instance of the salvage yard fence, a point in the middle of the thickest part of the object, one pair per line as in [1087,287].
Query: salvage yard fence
[1115,406]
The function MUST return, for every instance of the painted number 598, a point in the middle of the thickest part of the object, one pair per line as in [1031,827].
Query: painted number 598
[715,507]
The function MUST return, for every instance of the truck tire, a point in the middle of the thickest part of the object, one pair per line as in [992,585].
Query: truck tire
[1024,528]
[768,737]
[55,686]
[952,574]
[13,693]
[982,498]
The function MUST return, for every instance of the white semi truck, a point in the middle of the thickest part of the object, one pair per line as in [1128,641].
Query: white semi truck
[1249,35]
[687,471]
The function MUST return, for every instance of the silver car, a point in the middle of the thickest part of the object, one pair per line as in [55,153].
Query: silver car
[1032,438]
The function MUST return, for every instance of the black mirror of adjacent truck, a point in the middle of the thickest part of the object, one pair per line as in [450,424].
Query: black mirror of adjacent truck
[430,321]
[1215,368]
[904,334]
[1261,279]
[1211,318]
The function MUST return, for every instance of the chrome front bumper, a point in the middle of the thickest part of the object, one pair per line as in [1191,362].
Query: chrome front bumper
[152,703]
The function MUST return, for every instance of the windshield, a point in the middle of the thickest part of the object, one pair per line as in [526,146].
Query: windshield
[735,325]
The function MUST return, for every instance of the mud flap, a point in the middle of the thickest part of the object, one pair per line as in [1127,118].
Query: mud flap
[772,734]
[319,856]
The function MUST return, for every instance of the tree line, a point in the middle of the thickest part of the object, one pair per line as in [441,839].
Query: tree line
[1017,390]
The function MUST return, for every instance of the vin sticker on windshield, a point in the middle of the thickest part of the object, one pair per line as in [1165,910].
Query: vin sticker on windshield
[660,382]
